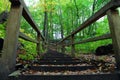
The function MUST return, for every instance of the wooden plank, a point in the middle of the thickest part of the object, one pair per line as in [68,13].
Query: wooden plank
[25,37]
[114,22]
[103,76]
[94,17]
[8,59]
[103,37]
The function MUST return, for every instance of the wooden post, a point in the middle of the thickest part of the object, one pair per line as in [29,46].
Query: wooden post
[44,45]
[8,60]
[58,48]
[38,44]
[114,22]
[63,47]
[48,45]
[72,46]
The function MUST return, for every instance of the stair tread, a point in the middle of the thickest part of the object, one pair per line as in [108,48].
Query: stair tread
[69,77]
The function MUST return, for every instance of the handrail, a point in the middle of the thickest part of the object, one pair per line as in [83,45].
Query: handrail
[25,37]
[97,38]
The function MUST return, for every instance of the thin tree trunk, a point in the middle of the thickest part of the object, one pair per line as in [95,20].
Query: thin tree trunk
[77,10]
[77,13]
[91,28]
[51,26]
[60,20]
[45,29]
[45,25]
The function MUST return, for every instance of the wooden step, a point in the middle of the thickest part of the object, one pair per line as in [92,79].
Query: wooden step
[58,62]
[56,56]
[114,76]
[59,59]
[60,68]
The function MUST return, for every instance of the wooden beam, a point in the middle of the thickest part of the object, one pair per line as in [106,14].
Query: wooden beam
[8,59]
[25,37]
[114,22]
[103,37]
[94,17]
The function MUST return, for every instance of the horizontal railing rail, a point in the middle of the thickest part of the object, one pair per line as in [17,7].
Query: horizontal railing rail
[96,38]
[25,37]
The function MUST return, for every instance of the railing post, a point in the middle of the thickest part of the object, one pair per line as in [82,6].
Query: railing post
[72,46]
[45,46]
[56,47]
[114,23]
[8,59]
[38,44]
[63,47]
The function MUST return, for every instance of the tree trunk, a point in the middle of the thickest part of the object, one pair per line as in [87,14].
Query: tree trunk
[45,27]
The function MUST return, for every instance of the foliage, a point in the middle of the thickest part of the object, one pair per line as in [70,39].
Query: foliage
[91,46]
[30,50]
[2,30]
[66,15]
[4,6]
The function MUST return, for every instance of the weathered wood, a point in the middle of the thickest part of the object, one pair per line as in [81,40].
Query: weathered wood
[103,37]
[72,46]
[94,17]
[38,44]
[25,37]
[104,76]
[63,48]
[56,48]
[8,59]
[114,22]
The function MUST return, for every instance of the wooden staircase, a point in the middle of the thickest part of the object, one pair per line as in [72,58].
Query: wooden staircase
[59,63]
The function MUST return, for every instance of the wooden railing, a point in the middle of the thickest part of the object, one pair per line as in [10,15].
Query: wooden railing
[8,58]
[97,38]
[110,9]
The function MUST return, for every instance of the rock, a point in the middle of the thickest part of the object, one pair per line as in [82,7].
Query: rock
[104,50]
[3,16]
[1,43]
